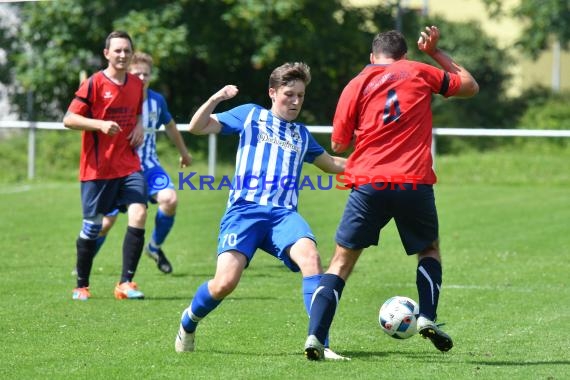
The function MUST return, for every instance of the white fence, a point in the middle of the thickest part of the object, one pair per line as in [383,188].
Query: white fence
[32,126]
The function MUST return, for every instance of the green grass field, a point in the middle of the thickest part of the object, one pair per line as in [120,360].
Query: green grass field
[505,227]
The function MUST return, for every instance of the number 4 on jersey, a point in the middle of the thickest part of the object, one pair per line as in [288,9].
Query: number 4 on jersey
[392,108]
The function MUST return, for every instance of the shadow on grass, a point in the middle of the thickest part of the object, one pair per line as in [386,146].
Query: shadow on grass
[211,274]
[359,355]
[519,363]
[190,296]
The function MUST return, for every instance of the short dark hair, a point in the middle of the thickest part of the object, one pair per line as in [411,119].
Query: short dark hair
[118,34]
[391,44]
[288,73]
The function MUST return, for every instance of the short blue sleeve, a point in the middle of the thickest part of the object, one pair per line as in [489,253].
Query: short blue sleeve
[233,120]
[164,115]
[314,149]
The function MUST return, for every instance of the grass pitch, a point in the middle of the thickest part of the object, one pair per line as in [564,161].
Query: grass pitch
[505,299]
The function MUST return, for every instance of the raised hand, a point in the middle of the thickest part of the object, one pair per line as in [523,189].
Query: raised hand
[428,40]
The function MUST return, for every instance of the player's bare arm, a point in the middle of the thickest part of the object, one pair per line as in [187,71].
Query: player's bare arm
[136,137]
[428,44]
[75,121]
[330,164]
[178,141]
[203,122]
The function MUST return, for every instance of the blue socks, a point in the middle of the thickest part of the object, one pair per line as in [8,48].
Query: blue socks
[310,284]
[326,298]
[428,282]
[201,305]
[162,225]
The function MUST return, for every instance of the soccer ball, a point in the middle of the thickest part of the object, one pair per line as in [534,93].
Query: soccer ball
[398,317]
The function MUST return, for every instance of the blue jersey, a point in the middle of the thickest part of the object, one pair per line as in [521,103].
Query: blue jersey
[155,114]
[270,156]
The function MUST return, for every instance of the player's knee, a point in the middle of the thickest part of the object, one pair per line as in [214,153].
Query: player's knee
[91,227]
[137,215]
[431,251]
[219,289]
[108,223]
[168,201]
[309,262]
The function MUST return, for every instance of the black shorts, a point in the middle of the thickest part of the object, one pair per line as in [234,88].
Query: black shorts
[102,196]
[371,206]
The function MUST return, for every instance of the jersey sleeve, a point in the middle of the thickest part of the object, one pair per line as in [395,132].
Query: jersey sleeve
[440,81]
[314,149]
[81,103]
[345,117]
[233,120]
[165,116]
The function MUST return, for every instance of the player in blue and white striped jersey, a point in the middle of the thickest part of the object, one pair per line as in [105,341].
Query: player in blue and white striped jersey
[160,186]
[262,204]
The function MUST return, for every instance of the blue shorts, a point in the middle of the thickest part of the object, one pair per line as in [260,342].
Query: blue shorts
[157,179]
[247,226]
[368,210]
[102,196]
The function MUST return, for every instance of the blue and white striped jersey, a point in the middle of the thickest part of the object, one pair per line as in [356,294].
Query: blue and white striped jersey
[270,155]
[155,114]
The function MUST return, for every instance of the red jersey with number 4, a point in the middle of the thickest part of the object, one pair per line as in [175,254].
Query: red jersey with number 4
[388,110]
[104,156]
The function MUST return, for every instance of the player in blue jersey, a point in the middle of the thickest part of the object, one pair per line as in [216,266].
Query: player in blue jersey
[262,208]
[160,186]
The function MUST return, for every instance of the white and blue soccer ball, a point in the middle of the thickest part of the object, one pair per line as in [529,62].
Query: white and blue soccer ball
[398,317]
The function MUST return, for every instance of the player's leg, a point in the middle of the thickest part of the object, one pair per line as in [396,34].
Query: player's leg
[305,254]
[133,194]
[164,220]
[326,298]
[428,282]
[418,226]
[208,296]
[229,269]
[291,240]
[95,203]
[242,229]
[86,250]
[359,228]
[108,223]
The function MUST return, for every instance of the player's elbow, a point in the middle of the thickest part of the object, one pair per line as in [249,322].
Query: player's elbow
[468,89]
[68,121]
[195,129]
[473,88]
[192,128]
[338,148]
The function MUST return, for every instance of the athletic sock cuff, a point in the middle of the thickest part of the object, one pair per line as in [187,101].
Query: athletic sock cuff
[332,281]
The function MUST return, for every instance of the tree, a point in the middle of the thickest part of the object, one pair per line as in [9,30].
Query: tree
[199,46]
[479,53]
[543,20]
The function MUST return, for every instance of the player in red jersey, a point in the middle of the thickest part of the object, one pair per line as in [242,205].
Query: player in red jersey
[386,111]
[107,107]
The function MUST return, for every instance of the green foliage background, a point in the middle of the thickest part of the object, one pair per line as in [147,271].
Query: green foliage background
[199,46]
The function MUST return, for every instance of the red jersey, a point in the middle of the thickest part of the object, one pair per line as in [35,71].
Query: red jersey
[104,156]
[388,109]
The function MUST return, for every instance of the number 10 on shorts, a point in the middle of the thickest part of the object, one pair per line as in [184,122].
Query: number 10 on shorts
[229,239]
